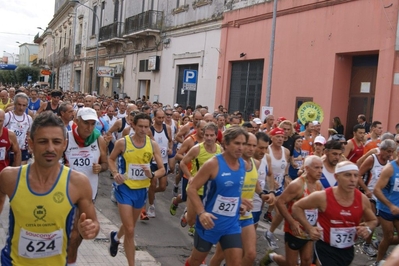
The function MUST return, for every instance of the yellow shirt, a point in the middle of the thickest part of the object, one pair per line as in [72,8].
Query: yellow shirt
[248,188]
[132,161]
[40,224]
[4,105]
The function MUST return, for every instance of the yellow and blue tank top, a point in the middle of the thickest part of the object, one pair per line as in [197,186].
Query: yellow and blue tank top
[248,189]
[132,160]
[40,224]
[4,105]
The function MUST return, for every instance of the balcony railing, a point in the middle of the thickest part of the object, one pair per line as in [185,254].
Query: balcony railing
[111,31]
[78,49]
[149,20]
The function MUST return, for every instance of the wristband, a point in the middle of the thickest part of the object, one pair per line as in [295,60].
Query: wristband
[261,193]
[269,192]
[114,172]
[201,213]
[369,230]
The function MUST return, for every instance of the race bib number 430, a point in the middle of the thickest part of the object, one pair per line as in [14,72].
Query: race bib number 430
[226,206]
[39,245]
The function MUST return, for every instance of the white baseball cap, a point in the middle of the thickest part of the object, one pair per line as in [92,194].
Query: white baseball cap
[87,113]
[257,121]
[320,139]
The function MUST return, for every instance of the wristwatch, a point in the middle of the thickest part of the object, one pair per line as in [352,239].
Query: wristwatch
[152,175]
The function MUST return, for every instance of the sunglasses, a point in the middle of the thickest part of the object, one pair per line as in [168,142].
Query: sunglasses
[168,114]
[80,106]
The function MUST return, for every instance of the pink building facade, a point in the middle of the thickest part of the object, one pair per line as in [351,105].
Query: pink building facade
[340,54]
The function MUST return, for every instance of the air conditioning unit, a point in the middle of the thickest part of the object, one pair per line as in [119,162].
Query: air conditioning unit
[119,69]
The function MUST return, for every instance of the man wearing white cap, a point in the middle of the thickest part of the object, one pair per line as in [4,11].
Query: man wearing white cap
[316,128]
[258,123]
[87,153]
[340,210]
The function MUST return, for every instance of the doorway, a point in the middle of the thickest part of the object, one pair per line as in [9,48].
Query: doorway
[246,87]
[362,90]
[144,89]
[77,80]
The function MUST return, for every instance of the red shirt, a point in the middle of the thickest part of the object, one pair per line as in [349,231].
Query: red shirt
[356,153]
[338,222]
[5,146]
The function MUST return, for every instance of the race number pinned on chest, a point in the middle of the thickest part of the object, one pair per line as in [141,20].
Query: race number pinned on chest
[226,206]
[40,245]
[311,216]
[2,153]
[342,237]
[136,171]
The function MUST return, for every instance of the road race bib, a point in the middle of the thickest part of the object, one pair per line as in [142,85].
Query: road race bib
[396,185]
[226,206]
[342,237]
[311,216]
[39,245]
[2,153]
[136,171]
[77,161]
[164,152]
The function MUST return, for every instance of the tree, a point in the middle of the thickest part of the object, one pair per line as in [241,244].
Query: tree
[22,73]
[8,77]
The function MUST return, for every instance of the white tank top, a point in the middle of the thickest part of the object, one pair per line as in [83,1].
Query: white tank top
[173,129]
[329,177]
[20,125]
[262,173]
[81,159]
[163,143]
[278,166]
[375,172]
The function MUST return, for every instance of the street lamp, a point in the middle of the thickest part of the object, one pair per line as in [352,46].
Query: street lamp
[27,47]
[13,58]
[52,72]
[97,37]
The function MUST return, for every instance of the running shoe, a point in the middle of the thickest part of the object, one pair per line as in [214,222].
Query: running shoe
[113,246]
[143,216]
[151,211]
[191,231]
[266,260]
[175,190]
[375,243]
[268,217]
[173,207]
[113,195]
[183,221]
[369,250]
[271,240]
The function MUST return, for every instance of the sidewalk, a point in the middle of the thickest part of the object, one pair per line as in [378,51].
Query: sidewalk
[91,252]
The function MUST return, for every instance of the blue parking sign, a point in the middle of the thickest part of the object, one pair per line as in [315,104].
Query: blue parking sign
[190,80]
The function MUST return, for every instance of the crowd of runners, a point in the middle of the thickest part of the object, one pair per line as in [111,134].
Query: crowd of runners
[329,192]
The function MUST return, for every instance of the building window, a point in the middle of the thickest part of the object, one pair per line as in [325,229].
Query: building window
[102,14]
[143,66]
[93,28]
[116,10]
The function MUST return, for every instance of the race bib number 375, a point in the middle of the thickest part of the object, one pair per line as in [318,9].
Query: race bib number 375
[39,245]
[342,237]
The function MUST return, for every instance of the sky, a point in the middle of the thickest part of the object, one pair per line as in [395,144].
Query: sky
[19,22]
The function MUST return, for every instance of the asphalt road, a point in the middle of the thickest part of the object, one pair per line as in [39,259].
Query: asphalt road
[167,241]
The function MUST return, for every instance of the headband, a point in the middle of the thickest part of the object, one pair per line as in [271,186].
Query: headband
[346,167]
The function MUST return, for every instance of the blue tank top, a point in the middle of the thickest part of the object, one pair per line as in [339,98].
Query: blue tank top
[34,106]
[222,195]
[391,190]
[293,172]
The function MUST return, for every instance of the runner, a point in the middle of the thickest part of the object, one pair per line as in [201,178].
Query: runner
[163,136]
[86,152]
[340,211]
[333,153]
[67,114]
[8,143]
[387,192]
[133,179]
[280,161]
[217,219]
[43,196]
[372,168]
[354,148]
[19,122]
[298,242]
[373,140]
[53,104]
